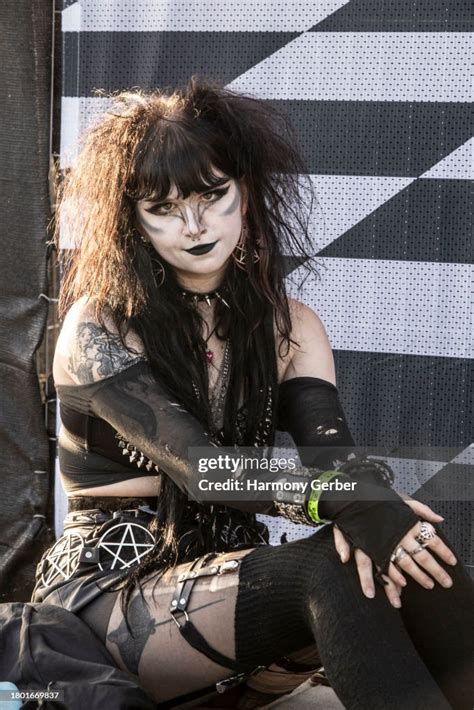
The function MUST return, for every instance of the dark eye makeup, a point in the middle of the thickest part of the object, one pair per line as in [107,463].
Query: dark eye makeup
[164,208]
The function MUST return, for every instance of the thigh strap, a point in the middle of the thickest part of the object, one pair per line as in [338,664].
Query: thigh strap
[187,629]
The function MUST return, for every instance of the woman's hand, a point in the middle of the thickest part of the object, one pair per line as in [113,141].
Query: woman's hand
[395,579]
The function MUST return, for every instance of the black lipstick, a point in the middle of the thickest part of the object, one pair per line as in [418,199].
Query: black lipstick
[201,249]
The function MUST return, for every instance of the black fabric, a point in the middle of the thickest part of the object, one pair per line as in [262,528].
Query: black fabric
[108,503]
[25,81]
[89,452]
[373,517]
[310,410]
[140,409]
[98,617]
[45,647]
[374,656]
[95,435]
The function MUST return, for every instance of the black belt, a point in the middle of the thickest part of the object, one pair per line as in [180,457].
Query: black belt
[109,504]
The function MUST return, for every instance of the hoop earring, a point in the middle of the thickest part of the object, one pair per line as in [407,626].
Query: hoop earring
[154,258]
[240,252]
[162,274]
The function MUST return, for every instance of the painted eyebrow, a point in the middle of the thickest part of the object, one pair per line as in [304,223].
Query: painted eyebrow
[222,181]
[214,186]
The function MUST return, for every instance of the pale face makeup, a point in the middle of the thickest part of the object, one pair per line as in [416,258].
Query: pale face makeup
[196,235]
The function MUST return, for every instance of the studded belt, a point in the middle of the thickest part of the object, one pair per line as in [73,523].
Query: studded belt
[108,503]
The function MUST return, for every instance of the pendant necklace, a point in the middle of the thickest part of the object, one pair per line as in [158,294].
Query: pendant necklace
[194,298]
[209,352]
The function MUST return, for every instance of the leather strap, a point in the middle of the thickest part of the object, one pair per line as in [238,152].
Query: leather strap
[179,604]
[197,640]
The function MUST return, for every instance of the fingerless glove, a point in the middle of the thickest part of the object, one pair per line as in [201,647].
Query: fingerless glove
[371,515]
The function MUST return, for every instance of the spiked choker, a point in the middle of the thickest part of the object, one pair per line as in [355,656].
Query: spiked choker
[195,298]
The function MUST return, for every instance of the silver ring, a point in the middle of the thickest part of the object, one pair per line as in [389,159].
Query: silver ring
[416,550]
[426,534]
[399,554]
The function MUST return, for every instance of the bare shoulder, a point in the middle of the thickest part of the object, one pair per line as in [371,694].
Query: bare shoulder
[87,351]
[312,356]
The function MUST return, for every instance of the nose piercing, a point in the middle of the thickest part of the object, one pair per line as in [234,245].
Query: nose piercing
[196,237]
[197,219]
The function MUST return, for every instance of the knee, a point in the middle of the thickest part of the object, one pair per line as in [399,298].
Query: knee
[317,558]
[323,548]
[323,565]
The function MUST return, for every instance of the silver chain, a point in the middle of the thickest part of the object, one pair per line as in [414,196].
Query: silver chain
[217,395]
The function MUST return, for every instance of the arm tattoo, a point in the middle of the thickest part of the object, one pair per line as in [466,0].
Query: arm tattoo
[97,354]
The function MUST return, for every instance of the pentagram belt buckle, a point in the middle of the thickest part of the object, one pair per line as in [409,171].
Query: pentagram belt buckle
[124,543]
[61,561]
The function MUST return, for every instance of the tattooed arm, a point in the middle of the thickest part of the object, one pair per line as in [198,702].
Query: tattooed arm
[87,352]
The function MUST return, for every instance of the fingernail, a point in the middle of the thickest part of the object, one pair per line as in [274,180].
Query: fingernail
[370,593]
[429,585]
[447,582]
[396,603]
[403,582]
[343,556]
[452,561]
[440,517]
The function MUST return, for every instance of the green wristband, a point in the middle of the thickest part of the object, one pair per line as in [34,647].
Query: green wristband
[315,495]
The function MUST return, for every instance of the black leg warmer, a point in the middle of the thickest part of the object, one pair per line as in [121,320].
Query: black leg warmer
[375,656]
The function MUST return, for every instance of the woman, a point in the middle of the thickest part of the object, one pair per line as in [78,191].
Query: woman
[179,333]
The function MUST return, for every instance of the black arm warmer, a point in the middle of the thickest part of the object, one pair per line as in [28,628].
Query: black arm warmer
[309,409]
[372,516]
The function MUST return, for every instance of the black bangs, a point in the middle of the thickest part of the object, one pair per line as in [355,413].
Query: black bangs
[179,153]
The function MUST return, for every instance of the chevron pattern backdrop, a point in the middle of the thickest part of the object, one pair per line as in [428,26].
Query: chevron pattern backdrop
[378,93]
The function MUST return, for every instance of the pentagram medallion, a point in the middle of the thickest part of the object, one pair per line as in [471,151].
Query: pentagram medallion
[124,545]
[62,559]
